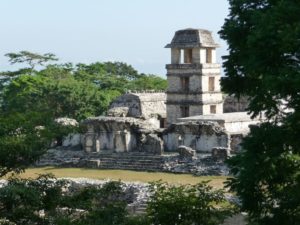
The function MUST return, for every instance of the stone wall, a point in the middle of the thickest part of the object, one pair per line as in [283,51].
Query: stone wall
[120,134]
[130,101]
[200,136]
[142,104]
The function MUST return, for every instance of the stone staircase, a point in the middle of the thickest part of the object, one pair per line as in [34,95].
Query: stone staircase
[127,161]
[104,160]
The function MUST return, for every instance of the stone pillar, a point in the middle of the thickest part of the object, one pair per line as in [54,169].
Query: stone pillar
[196,55]
[175,56]
[98,145]
[120,141]
[89,139]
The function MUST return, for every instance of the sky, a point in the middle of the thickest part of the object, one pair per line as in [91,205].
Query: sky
[131,31]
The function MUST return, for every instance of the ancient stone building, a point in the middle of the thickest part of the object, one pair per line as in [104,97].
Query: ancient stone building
[147,105]
[193,105]
[120,134]
[135,135]
[193,75]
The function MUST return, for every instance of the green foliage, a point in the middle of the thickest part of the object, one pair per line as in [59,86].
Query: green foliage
[31,201]
[265,65]
[32,59]
[148,82]
[22,140]
[64,97]
[267,177]
[43,201]
[118,76]
[187,204]
[105,205]
[49,201]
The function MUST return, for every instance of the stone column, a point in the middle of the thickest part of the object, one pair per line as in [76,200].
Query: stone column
[119,142]
[175,56]
[89,139]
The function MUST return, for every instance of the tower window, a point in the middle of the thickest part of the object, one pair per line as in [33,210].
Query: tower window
[188,55]
[208,55]
[185,82]
[211,84]
[213,109]
[185,111]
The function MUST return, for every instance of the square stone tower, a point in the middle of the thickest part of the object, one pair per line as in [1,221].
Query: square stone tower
[193,76]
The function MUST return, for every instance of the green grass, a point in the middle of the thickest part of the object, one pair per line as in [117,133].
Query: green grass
[124,175]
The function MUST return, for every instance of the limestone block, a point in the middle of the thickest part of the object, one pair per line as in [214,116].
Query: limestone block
[151,143]
[186,152]
[72,140]
[120,142]
[170,141]
[94,163]
[118,112]
[235,142]
[220,153]
[175,55]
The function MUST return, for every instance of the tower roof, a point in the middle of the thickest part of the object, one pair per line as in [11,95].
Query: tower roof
[192,38]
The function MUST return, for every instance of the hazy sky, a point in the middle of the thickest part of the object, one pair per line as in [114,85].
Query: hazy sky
[132,31]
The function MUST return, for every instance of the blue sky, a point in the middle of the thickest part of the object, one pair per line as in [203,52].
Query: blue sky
[132,31]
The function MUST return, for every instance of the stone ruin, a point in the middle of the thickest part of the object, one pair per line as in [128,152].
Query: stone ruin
[121,134]
[183,130]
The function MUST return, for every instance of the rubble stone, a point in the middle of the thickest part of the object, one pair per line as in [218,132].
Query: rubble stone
[186,152]
[220,153]
[118,112]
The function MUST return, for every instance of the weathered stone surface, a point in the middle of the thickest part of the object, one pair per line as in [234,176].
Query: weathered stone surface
[201,165]
[93,163]
[121,134]
[201,136]
[142,104]
[186,152]
[194,79]
[72,141]
[235,142]
[234,122]
[220,153]
[192,38]
[151,143]
[118,112]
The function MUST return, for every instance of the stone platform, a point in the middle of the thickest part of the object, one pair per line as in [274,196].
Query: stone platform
[201,165]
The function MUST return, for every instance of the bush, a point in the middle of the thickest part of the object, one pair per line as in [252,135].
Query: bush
[187,204]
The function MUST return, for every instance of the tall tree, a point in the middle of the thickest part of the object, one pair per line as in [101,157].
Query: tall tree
[32,59]
[264,63]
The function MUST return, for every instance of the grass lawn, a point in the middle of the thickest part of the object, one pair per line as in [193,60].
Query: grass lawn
[125,175]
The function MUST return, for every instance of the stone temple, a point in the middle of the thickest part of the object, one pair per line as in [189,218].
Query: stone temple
[159,131]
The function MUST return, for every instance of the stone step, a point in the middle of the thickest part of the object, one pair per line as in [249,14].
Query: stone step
[126,161]
[131,161]
[128,157]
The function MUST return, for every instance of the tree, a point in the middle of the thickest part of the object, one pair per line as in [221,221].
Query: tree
[118,76]
[32,59]
[187,204]
[149,82]
[64,97]
[264,64]
[22,140]
[46,200]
